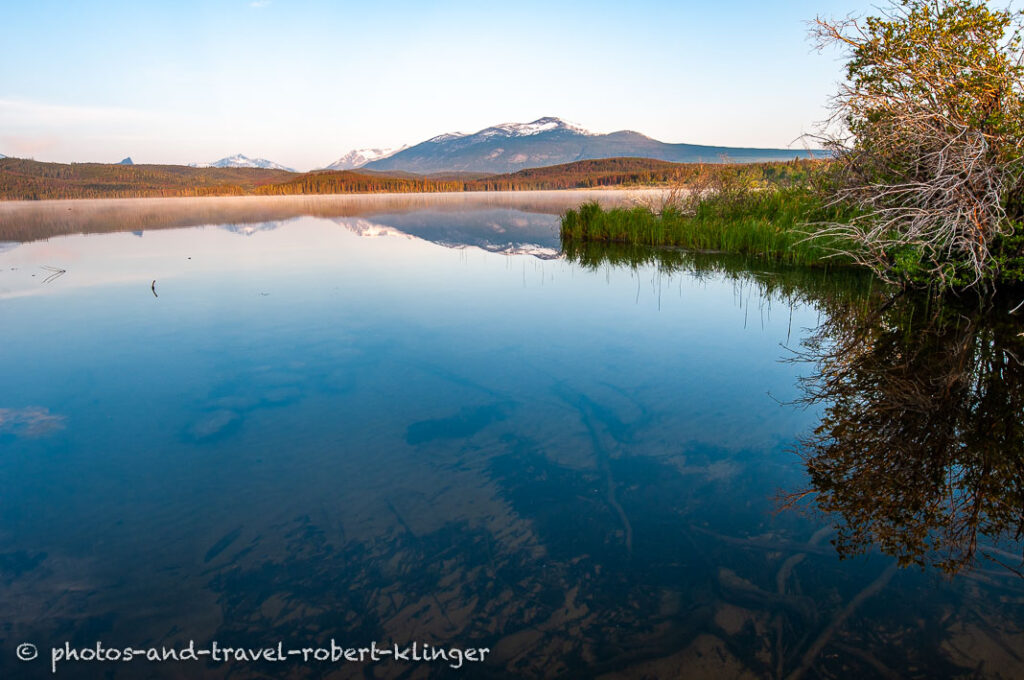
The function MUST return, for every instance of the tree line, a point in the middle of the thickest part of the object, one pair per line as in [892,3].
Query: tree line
[22,179]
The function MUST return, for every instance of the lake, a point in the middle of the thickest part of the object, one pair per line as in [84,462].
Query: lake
[422,419]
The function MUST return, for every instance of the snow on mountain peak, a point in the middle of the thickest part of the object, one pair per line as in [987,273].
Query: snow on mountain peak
[242,161]
[507,130]
[448,136]
[357,158]
[542,125]
[546,124]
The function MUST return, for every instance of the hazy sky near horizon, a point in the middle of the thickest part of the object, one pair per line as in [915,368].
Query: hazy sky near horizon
[301,82]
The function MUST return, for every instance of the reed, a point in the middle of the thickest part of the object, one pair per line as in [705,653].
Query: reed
[853,287]
[768,224]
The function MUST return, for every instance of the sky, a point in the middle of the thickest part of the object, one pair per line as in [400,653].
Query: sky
[301,82]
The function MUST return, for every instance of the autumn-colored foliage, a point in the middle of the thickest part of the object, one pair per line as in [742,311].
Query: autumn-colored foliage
[22,179]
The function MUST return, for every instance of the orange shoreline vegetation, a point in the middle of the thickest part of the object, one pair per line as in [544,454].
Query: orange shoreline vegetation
[22,179]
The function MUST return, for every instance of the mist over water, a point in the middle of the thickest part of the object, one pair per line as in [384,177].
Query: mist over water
[402,419]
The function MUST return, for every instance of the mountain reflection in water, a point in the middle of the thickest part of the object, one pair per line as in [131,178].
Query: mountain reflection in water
[31,220]
[334,427]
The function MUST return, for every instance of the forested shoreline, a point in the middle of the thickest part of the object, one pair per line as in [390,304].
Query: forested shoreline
[22,179]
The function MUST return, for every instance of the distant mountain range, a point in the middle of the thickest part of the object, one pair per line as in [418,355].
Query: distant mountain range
[510,147]
[357,158]
[240,161]
[551,141]
[127,161]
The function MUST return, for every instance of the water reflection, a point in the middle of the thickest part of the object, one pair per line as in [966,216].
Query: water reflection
[22,221]
[573,462]
[502,230]
[794,285]
[242,229]
[920,450]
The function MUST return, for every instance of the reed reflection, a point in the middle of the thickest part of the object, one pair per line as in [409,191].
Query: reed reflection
[920,449]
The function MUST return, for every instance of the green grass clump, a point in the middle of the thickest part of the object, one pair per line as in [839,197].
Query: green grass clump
[766,224]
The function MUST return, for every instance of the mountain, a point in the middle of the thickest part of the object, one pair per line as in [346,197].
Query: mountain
[127,161]
[357,158]
[240,161]
[551,141]
[2,156]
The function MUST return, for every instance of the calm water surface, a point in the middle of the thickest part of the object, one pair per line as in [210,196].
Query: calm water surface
[420,421]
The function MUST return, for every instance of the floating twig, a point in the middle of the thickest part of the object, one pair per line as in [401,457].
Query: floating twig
[55,273]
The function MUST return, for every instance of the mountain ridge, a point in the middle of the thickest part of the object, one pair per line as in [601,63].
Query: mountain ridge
[510,147]
[357,158]
[242,161]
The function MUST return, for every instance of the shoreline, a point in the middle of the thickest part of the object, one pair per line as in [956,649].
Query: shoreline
[4,203]
[23,221]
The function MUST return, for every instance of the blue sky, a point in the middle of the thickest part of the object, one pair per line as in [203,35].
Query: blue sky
[303,81]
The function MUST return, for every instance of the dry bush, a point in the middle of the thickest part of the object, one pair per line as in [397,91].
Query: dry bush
[928,132]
